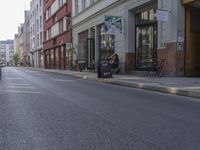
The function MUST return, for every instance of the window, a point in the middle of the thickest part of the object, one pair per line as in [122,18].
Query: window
[146,16]
[44,16]
[37,25]
[41,22]
[40,38]
[55,29]
[91,2]
[146,40]
[37,40]
[60,3]
[64,24]
[83,4]
[60,26]
[45,35]
[49,33]
[48,13]
[76,6]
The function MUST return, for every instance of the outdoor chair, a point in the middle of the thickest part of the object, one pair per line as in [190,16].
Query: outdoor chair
[159,69]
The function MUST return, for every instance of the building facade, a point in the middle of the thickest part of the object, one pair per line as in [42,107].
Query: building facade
[6,52]
[57,33]
[36,33]
[16,43]
[152,31]
[27,37]
[21,49]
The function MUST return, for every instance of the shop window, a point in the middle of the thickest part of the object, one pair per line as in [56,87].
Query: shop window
[106,43]
[83,51]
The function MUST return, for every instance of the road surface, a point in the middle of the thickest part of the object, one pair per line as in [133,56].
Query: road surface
[44,111]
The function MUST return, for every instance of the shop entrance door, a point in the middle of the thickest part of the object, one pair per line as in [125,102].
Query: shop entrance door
[91,50]
[146,51]
[192,54]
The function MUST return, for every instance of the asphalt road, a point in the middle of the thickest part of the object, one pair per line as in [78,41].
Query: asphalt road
[44,111]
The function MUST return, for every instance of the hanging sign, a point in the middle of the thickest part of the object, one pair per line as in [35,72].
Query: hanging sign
[162,15]
[113,25]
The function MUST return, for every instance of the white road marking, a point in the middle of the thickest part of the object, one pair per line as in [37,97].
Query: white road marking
[21,87]
[60,80]
[31,71]
[20,84]
[15,91]
[14,78]
[9,73]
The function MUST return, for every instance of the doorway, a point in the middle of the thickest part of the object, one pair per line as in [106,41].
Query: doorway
[146,40]
[91,50]
[192,53]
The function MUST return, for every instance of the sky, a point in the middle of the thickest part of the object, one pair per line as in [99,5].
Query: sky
[11,16]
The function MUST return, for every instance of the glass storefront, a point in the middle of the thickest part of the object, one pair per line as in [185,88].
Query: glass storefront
[146,39]
[57,58]
[51,59]
[47,60]
[106,43]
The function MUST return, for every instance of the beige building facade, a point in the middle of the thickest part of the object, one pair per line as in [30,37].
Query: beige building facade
[153,31]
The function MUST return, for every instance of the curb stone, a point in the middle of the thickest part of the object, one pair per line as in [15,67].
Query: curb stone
[163,89]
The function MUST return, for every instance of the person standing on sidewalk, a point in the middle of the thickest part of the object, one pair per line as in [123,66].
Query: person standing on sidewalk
[115,63]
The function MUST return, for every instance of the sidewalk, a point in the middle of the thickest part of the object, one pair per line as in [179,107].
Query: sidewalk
[184,86]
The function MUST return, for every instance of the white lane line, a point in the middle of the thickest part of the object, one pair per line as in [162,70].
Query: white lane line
[9,73]
[15,91]
[31,71]
[14,78]
[60,80]
[21,87]
[20,84]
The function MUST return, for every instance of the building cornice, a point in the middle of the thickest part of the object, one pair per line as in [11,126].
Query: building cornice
[95,14]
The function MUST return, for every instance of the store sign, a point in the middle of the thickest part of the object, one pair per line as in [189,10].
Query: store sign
[162,15]
[113,25]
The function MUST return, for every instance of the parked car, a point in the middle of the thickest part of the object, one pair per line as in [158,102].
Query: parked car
[2,65]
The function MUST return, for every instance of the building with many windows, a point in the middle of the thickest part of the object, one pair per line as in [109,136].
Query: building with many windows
[21,49]
[144,33]
[6,52]
[36,33]
[16,42]
[27,37]
[57,33]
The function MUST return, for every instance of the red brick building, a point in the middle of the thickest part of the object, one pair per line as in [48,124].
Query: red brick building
[57,33]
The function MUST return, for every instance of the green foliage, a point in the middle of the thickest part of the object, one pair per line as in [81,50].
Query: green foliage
[16,58]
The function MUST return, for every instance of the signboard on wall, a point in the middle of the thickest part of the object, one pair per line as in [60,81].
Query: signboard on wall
[162,15]
[113,25]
